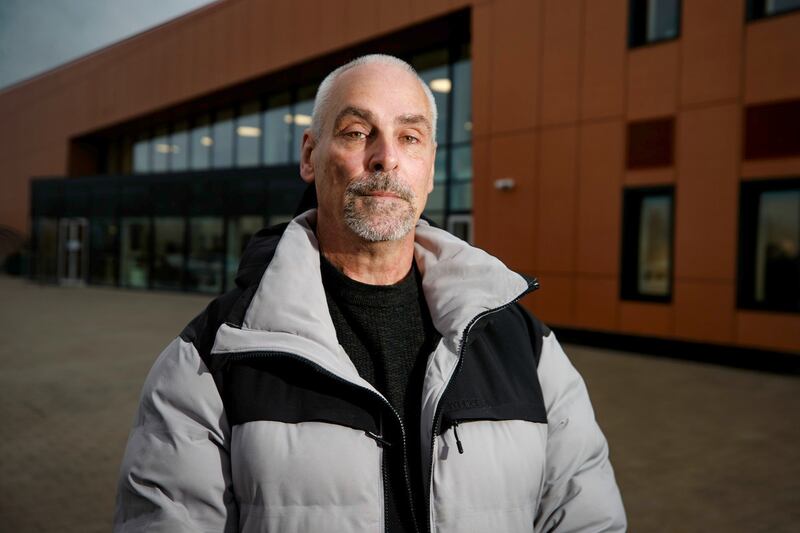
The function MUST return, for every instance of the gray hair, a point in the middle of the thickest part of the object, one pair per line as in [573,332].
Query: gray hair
[324,91]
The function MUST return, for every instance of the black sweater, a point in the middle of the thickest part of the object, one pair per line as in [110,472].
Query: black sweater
[388,333]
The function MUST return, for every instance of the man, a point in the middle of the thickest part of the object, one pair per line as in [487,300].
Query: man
[370,372]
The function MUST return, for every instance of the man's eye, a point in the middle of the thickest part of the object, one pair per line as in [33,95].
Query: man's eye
[356,135]
[410,139]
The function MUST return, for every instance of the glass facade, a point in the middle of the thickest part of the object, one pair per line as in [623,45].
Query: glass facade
[769,237]
[167,252]
[647,262]
[135,252]
[204,268]
[652,21]
[222,140]
[248,135]
[201,143]
[179,147]
[103,258]
[240,230]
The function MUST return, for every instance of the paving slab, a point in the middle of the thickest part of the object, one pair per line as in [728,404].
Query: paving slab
[695,447]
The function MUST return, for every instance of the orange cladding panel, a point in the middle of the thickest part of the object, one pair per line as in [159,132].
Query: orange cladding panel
[511,212]
[552,303]
[772,61]
[597,302]
[604,57]
[560,68]
[482,58]
[515,60]
[711,40]
[653,81]
[599,197]
[772,331]
[704,311]
[556,199]
[706,194]
[639,318]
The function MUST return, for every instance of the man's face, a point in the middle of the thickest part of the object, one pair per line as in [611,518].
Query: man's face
[373,163]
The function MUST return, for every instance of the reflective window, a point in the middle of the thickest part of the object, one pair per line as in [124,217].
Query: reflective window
[201,143]
[647,244]
[436,199]
[248,135]
[278,120]
[103,264]
[240,229]
[168,252]
[126,160]
[206,251]
[770,245]
[134,252]
[440,85]
[179,147]
[462,101]
[161,149]
[222,133]
[301,119]
[654,20]
[757,9]
[141,155]
[45,261]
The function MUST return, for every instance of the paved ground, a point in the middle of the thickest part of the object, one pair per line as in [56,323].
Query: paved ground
[695,447]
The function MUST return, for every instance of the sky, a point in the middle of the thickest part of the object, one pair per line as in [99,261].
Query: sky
[38,35]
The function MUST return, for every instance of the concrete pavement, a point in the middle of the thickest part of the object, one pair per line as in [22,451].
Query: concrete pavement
[695,447]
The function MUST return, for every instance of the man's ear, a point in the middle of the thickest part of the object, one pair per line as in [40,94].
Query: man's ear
[433,170]
[306,166]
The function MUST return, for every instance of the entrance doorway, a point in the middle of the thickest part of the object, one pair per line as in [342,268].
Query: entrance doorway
[72,251]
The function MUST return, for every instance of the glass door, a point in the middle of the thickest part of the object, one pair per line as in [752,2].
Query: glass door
[72,247]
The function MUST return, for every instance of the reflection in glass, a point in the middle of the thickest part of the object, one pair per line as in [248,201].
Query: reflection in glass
[161,149]
[223,140]
[206,250]
[248,135]
[201,143]
[460,196]
[134,252]
[462,101]
[436,199]
[141,155]
[179,147]
[441,85]
[240,229]
[46,260]
[168,252]
[277,136]
[655,254]
[301,119]
[103,266]
[778,249]
[773,7]
[662,19]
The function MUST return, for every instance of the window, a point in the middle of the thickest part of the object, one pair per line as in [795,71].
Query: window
[248,135]
[161,149]
[206,251]
[179,147]
[769,240]
[201,144]
[240,230]
[770,130]
[135,252]
[141,155]
[301,118]
[650,143]
[222,133]
[168,252]
[277,138]
[652,21]
[757,9]
[647,229]
[103,263]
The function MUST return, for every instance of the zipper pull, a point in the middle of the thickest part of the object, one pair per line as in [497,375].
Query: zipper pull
[379,439]
[458,441]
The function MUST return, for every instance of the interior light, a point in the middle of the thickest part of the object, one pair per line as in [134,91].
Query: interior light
[302,120]
[468,125]
[163,148]
[248,131]
[205,140]
[287,118]
[441,85]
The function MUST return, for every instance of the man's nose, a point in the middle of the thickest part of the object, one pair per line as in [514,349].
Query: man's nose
[383,156]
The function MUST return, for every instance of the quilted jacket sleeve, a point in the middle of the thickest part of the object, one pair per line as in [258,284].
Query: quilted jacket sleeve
[175,475]
[580,492]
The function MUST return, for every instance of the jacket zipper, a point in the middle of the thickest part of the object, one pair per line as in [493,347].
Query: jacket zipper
[532,286]
[378,438]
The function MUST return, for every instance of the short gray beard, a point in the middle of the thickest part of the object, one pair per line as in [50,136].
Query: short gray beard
[376,220]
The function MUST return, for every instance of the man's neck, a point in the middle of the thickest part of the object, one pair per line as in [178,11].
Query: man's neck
[374,263]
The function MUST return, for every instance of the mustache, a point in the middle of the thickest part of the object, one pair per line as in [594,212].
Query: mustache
[380,182]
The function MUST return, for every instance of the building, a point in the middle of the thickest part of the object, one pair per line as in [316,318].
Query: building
[640,157]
